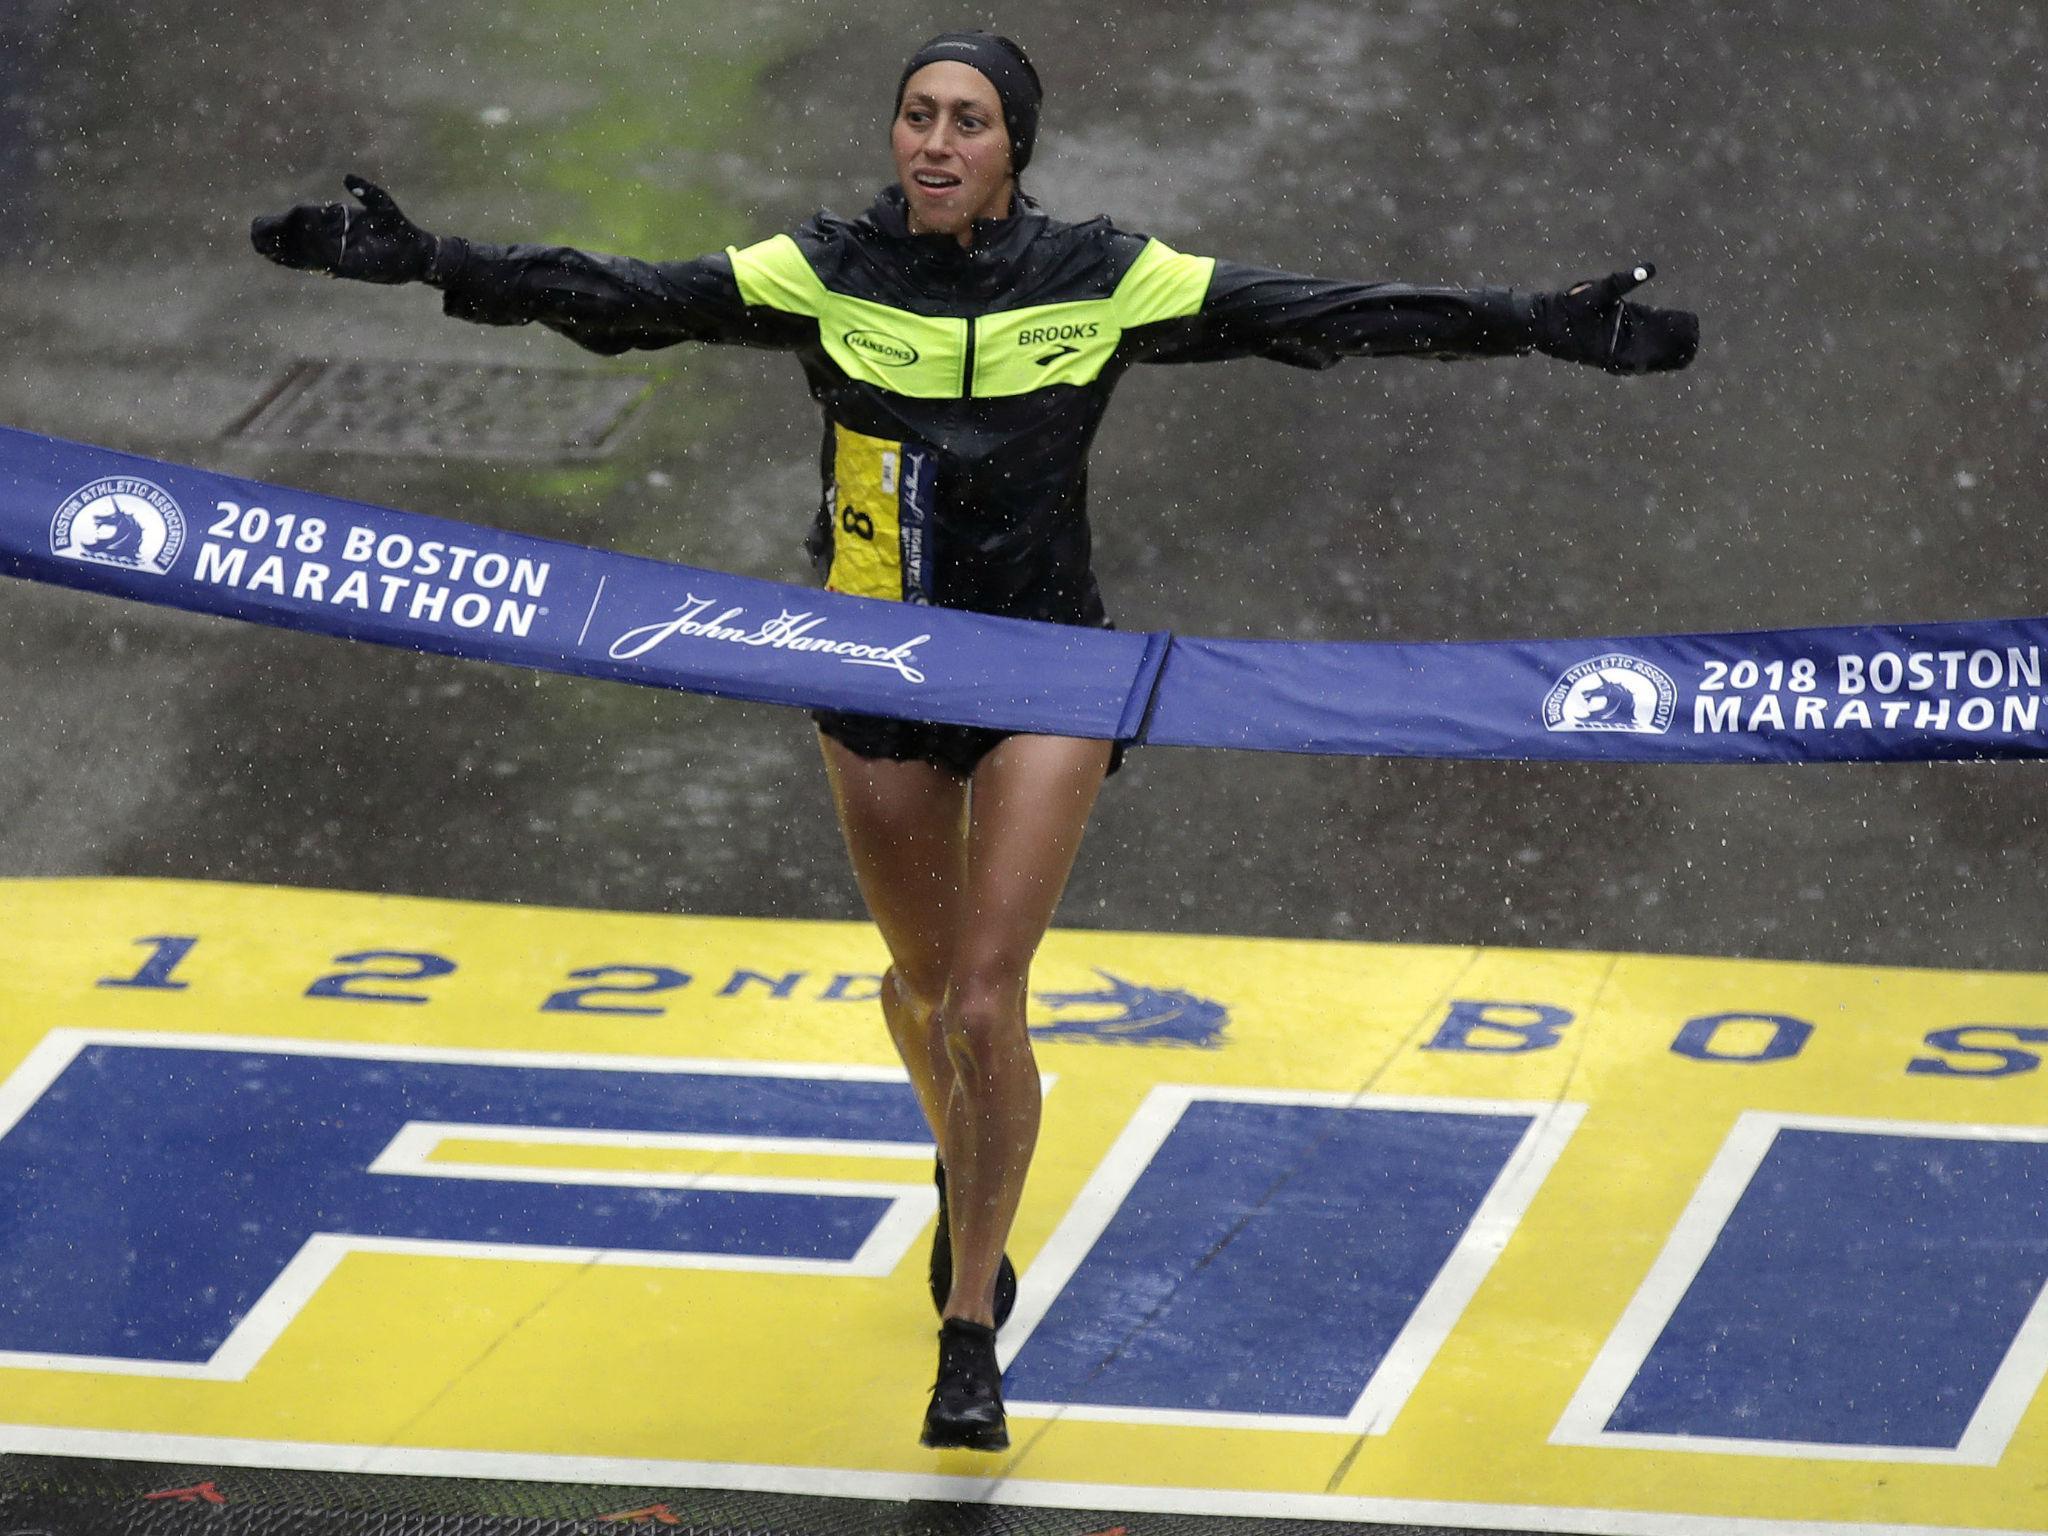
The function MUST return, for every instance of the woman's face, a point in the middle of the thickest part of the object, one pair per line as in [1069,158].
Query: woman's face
[952,150]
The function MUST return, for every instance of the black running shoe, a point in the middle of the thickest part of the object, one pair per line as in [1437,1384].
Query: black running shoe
[967,1400]
[942,1262]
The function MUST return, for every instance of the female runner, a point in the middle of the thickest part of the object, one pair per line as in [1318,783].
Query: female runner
[963,345]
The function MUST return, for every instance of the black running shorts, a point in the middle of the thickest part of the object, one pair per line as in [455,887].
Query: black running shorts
[955,748]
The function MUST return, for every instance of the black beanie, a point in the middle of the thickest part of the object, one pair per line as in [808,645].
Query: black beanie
[1008,69]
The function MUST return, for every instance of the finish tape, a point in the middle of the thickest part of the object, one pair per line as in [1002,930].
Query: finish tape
[100,521]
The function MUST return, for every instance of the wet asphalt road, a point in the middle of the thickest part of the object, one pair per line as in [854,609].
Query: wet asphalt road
[1853,203]
[1852,198]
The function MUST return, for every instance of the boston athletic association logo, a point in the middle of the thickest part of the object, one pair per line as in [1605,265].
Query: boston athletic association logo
[120,521]
[1612,693]
[1120,1012]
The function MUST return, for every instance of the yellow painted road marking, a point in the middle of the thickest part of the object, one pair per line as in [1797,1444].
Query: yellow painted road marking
[439,1361]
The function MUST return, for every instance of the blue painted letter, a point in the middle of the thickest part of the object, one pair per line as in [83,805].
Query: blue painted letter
[152,1194]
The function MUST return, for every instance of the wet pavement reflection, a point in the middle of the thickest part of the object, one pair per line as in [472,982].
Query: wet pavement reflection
[1853,203]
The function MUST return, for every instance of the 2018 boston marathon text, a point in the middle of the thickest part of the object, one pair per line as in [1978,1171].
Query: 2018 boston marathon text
[253,550]
[1884,690]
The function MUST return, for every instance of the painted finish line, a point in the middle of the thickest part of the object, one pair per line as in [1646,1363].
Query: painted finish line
[89,518]
[1614,1243]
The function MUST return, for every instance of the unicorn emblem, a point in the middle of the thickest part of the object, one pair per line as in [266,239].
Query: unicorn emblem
[1124,1013]
[120,520]
[1608,703]
[118,536]
[1612,693]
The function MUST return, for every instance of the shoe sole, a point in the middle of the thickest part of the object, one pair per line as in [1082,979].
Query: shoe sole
[996,1439]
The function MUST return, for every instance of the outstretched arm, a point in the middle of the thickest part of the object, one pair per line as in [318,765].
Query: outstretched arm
[1313,322]
[607,304]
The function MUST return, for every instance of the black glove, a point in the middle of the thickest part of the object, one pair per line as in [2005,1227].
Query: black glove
[1591,323]
[373,243]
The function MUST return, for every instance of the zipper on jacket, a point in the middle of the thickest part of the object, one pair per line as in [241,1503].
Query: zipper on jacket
[967,376]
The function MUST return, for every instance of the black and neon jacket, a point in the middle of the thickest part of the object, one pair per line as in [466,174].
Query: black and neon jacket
[962,386]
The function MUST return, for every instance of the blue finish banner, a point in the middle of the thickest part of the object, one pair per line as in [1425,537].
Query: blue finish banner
[132,527]
[186,538]
[1875,693]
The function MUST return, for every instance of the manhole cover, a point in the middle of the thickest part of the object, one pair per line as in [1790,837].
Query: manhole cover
[439,409]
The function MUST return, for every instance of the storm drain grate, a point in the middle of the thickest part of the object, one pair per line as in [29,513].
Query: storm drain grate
[62,1496]
[444,410]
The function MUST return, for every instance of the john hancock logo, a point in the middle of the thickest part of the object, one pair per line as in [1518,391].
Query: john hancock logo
[1612,693]
[785,632]
[120,521]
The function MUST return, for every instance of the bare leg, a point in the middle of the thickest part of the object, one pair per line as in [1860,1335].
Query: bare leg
[906,830]
[1029,805]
